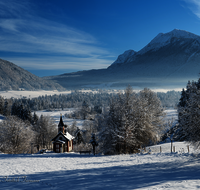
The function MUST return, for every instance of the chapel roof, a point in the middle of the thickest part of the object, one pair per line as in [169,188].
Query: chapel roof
[67,136]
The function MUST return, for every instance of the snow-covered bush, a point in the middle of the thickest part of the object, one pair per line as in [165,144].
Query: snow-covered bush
[16,136]
[82,147]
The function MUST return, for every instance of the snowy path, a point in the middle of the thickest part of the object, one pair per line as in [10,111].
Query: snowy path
[74,171]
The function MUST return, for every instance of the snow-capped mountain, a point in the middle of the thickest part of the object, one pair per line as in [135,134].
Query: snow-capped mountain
[160,41]
[163,39]
[170,59]
[125,56]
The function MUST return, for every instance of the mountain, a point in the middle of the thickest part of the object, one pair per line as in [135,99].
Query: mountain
[125,56]
[168,61]
[14,77]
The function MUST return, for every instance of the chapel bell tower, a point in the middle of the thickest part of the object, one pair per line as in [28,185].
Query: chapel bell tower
[61,126]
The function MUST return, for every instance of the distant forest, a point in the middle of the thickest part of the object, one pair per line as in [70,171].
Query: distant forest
[73,100]
[170,98]
[93,107]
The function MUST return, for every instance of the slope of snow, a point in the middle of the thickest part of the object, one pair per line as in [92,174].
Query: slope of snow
[179,170]
[171,113]
[34,94]
[163,39]
[30,94]
[124,57]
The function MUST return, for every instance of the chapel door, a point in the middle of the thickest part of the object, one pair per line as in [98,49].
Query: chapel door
[57,148]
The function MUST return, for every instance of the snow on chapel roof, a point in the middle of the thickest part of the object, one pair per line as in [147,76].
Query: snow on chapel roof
[68,136]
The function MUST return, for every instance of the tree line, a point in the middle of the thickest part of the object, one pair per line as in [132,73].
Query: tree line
[120,115]
[73,100]
[132,121]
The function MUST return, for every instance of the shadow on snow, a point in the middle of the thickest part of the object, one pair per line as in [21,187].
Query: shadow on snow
[118,177]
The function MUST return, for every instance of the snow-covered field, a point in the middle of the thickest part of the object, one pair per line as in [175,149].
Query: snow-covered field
[171,114]
[33,94]
[29,94]
[164,170]
[56,116]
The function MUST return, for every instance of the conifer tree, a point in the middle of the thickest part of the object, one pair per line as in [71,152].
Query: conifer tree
[1,105]
[84,109]
[94,142]
[6,109]
[78,137]
[14,109]
[189,113]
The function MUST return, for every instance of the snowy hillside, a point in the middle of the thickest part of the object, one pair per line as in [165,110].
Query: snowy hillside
[179,170]
[125,56]
[14,77]
[163,39]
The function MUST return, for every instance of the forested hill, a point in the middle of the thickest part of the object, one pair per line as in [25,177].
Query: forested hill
[13,77]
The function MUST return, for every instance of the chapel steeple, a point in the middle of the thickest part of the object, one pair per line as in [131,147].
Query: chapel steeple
[61,126]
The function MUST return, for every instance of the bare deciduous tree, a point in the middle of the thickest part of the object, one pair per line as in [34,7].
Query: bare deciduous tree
[16,136]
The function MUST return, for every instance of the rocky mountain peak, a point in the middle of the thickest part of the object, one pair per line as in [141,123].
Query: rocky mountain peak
[163,39]
[122,58]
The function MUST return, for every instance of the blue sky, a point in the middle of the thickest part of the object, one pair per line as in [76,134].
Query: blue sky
[51,37]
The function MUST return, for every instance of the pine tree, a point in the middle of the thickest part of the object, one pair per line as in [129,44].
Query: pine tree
[14,109]
[1,105]
[35,119]
[84,109]
[6,109]
[189,114]
[94,142]
[78,137]
[183,99]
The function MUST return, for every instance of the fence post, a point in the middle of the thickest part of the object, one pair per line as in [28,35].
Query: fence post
[171,145]
[174,148]
[160,149]
[188,148]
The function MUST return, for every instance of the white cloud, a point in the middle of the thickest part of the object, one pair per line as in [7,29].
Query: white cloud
[194,6]
[57,63]
[46,36]
[22,31]
[15,8]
